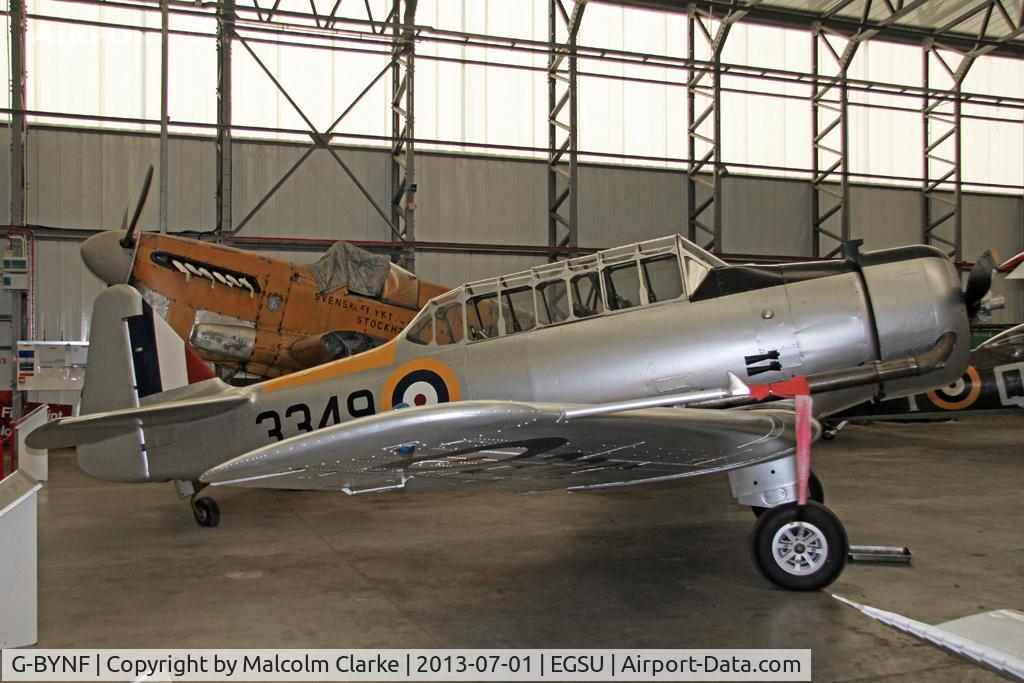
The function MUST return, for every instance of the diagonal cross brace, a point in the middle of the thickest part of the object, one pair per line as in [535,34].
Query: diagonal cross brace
[321,139]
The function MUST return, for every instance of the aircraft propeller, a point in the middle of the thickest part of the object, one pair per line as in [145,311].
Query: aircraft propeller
[979,281]
[109,254]
[128,238]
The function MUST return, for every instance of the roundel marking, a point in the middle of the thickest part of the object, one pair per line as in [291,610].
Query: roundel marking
[960,394]
[423,382]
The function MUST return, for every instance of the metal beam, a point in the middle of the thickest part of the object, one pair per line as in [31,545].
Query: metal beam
[704,121]
[164,45]
[830,179]
[403,127]
[941,181]
[830,104]
[18,126]
[942,119]
[793,17]
[225,35]
[19,131]
[563,135]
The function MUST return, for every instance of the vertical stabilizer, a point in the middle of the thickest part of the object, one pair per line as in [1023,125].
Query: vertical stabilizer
[133,355]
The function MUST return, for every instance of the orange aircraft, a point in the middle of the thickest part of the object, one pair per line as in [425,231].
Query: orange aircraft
[256,314]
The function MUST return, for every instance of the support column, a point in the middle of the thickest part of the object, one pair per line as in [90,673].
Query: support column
[19,130]
[941,182]
[830,179]
[403,135]
[164,44]
[18,126]
[704,121]
[563,138]
[225,35]
[703,115]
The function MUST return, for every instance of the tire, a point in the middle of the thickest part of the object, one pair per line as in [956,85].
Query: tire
[815,492]
[206,511]
[801,549]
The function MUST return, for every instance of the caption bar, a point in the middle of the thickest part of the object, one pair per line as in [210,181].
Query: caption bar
[406,665]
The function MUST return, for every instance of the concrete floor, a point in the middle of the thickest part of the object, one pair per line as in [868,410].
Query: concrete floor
[125,566]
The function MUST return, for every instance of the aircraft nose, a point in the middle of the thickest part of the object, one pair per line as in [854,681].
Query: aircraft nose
[915,299]
[106,258]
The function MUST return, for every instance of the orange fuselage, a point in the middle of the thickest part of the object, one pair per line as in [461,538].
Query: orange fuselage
[264,315]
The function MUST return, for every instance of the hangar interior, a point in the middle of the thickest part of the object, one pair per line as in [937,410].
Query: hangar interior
[469,139]
[772,167]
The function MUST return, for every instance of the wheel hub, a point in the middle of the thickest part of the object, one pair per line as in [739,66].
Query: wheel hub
[800,548]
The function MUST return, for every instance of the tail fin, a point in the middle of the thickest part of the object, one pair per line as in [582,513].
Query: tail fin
[133,355]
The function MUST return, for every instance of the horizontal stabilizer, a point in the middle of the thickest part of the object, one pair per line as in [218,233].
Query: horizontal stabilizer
[86,429]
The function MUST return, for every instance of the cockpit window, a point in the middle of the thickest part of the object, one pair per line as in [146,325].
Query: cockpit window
[586,295]
[552,302]
[627,277]
[623,286]
[695,274]
[422,329]
[517,310]
[664,281]
[482,317]
[448,323]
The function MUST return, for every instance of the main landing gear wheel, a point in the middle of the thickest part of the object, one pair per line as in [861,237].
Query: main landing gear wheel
[800,548]
[206,511]
[815,492]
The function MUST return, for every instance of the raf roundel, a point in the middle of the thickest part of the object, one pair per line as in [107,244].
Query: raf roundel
[421,383]
[419,388]
[960,394]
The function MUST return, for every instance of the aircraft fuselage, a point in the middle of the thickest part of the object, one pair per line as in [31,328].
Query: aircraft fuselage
[764,324]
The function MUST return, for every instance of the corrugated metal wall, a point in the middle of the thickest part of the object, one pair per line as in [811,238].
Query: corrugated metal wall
[86,179]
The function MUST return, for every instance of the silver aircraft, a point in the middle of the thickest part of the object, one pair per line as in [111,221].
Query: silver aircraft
[570,375]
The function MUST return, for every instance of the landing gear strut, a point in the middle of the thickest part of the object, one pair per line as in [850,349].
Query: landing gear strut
[798,548]
[204,509]
[815,492]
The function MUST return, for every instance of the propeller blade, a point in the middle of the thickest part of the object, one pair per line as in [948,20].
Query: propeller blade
[127,240]
[979,281]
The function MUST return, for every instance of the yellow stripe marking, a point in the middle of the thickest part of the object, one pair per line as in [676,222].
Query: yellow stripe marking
[380,357]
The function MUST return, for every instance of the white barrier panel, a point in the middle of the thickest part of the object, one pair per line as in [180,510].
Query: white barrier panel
[407,665]
[34,462]
[18,561]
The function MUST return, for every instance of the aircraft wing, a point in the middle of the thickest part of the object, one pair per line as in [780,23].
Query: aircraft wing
[992,639]
[526,446]
[85,429]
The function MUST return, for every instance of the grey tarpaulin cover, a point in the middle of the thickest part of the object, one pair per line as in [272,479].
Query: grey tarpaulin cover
[346,265]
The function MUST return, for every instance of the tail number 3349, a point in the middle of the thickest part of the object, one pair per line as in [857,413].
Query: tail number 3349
[299,417]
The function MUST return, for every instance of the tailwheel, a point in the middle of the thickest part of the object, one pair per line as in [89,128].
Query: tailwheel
[206,511]
[815,492]
[800,548]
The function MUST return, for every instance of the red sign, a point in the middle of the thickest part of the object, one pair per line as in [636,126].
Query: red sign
[7,410]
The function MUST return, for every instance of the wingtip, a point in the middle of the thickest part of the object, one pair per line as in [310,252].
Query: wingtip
[851,603]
